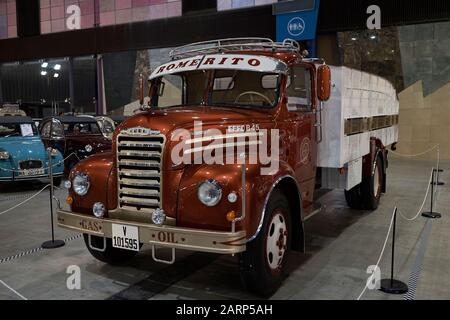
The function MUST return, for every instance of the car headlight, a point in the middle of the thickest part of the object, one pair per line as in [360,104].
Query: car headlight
[4,155]
[54,153]
[209,193]
[81,184]
[88,148]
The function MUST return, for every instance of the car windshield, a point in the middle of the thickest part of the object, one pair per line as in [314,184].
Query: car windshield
[81,128]
[17,130]
[216,88]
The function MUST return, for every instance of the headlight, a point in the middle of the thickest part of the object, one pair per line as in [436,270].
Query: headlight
[209,193]
[88,148]
[81,184]
[54,153]
[4,155]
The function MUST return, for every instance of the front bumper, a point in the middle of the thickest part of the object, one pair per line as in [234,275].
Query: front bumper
[161,236]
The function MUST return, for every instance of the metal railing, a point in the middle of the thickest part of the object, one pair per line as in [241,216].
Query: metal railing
[233,44]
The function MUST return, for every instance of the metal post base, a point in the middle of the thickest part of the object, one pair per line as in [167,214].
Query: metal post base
[53,244]
[393,286]
[432,215]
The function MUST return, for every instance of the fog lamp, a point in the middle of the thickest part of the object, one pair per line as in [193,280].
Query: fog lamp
[158,217]
[88,148]
[232,197]
[98,209]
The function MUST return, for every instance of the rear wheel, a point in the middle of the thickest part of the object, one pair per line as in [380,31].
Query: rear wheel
[371,186]
[110,255]
[263,264]
[354,198]
[367,194]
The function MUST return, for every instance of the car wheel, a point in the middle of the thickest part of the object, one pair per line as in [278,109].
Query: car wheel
[263,264]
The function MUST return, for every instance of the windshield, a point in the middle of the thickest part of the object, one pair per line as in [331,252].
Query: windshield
[17,130]
[217,88]
[81,128]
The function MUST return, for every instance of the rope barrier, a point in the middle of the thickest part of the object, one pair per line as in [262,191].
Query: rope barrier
[414,155]
[27,200]
[423,203]
[430,181]
[380,257]
[14,291]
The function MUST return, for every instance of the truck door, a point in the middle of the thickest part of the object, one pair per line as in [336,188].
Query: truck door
[303,144]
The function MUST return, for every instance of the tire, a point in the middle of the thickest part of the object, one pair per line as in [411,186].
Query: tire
[57,181]
[354,198]
[262,271]
[111,255]
[371,187]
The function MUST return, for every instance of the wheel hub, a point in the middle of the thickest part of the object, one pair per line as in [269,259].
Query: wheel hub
[276,243]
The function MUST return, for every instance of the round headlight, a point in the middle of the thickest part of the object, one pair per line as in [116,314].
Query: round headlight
[209,193]
[88,148]
[4,155]
[81,184]
[98,209]
[67,184]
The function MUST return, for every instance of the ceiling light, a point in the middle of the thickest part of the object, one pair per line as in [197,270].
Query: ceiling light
[56,75]
[373,37]
[44,65]
[43,73]
[57,67]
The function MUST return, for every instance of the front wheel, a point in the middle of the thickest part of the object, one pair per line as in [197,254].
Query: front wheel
[263,264]
[110,255]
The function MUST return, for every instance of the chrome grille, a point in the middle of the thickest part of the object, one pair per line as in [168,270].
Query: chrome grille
[30,164]
[139,165]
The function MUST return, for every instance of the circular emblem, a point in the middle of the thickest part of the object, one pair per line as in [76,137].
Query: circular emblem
[305,150]
[296,26]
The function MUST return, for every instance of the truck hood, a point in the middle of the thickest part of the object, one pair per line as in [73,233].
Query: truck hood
[167,120]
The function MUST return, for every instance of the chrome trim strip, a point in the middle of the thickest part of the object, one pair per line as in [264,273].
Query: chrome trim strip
[261,221]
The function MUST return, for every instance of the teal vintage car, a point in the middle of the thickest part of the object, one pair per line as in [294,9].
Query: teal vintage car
[22,152]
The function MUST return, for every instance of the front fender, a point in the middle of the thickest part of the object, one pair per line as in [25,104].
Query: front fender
[98,168]
[192,213]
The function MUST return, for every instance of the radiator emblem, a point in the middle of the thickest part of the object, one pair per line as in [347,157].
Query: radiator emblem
[141,131]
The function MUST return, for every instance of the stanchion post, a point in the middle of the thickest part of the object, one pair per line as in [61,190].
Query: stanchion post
[432,214]
[52,244]
[393,286]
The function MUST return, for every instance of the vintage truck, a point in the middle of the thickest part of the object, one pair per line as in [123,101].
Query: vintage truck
[159,186]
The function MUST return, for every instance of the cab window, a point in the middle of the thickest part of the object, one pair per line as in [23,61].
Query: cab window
[299,89]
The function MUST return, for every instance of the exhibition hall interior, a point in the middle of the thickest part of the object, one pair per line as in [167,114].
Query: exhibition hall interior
[232,150]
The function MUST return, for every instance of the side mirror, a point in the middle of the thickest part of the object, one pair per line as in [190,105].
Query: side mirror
[323,82]
[141,89]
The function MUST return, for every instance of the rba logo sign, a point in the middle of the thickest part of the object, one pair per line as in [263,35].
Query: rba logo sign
[73,21]
[212,146]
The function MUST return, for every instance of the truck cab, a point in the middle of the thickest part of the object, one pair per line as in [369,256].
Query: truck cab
[222,159]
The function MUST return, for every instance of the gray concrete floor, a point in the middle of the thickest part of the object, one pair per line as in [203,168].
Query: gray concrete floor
[341,244]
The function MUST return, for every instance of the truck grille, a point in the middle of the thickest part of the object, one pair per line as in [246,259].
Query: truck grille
[139,164]
[30,164]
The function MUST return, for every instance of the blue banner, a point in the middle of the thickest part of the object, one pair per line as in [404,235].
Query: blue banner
[298,25]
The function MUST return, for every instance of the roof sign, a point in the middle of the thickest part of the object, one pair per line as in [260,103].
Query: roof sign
[223,62]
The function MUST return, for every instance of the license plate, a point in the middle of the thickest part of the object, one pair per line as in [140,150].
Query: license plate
[31,172]
[125,237]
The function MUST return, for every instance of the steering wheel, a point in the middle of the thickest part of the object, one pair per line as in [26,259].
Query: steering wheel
[252,93]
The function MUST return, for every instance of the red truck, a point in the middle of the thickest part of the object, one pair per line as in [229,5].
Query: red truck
[226,156]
